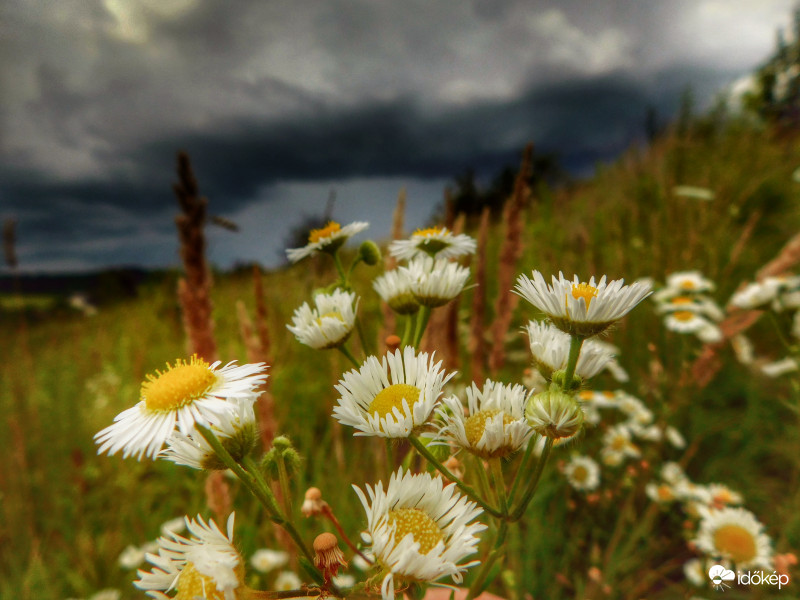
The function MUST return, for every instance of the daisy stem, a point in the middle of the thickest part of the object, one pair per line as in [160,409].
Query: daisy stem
[422,323]
[499,482]
[258,487]
[483,481]
[488,562]
[390,456]
[343,349]
[283,478]
[521,470]
[575,344]
[420,447]
[365,347]
[517,513]
[409,329]
[338,262]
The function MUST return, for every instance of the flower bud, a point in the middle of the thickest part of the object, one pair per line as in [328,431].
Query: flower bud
[313,504]
[327,556]
[554,414]
[369,253]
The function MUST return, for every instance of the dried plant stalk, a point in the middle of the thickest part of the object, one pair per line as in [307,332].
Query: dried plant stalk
[708,363]
[510,254]
[477,323]
[389,319]
[194,291]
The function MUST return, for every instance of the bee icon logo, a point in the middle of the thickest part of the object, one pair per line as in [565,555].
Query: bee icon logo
[719,575]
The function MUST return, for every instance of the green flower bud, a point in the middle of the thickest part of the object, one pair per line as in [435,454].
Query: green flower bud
[555,414]
[370,253]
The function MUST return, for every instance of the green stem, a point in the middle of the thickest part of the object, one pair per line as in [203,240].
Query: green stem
[409,329]
[483,480]
[523,468]
[390,454]
[343,349]
[499,484]
[363,338]
[338,262]
[422,322]
[420,447]
[517,513]
[575,344]
[286,492]
[264,495]
[495,553]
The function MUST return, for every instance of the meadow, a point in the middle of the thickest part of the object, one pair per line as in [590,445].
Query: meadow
[68,514]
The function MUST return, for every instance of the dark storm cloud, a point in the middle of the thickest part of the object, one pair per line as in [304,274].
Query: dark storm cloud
[98,95]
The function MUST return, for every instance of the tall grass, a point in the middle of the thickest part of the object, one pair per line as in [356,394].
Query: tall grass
[66,514]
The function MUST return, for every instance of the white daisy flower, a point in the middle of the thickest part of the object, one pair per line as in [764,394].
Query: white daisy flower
[235,431]
[743,348]
[695,572]
[394,288]
[329,324]
[287,580]
[391,397]
[582,473]
[176,525]
[581,309]
[734,534]
[600,399]
[693,192]
[758,294]
[698,304]
[779,367]
[675,437]
[205,565]
[421,529]
[345,580]
[187,393]
[106,594]
[663,493]
[672,473]
[689,281]
[723,495]
[435,282]
[495,422]
[436,242]
[686,321]
[131,557]
[617,439]
[634,409]
[710,334]
[265,560]
[550,349]
[327,239]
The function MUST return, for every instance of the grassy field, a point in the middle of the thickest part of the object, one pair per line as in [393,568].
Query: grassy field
[67,514]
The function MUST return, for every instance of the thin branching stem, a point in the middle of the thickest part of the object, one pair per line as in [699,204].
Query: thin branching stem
[517,513]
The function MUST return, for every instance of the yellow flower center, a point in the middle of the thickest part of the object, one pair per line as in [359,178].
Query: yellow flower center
[687,284]
[475,424]
[332,315]
[609,394]
[665,493]
[179,385]
[619,443]
[327,231]
[430,231]
[580,474]
[586,395]
[585,291]
[391,397]
[682,300]
[735,542]
[683,315]
[193,584]
[419,524]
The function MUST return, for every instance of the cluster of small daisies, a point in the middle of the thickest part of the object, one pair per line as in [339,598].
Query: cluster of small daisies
[687,308]
[717,529]
[781,297]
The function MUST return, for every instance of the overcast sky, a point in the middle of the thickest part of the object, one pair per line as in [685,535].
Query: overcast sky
[278,102]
